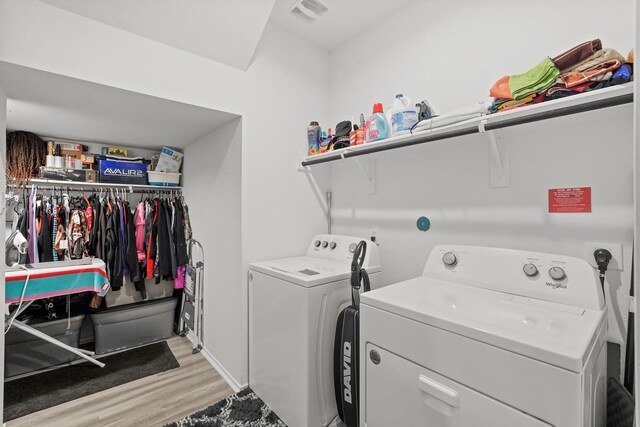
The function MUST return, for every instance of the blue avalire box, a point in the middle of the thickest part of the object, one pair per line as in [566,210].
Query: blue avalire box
[122,172]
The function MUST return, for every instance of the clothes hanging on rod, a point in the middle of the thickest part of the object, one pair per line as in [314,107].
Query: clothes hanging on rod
[145,241]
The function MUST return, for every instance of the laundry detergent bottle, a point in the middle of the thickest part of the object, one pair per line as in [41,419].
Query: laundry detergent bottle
[313,135]
[377,127]
[403,115]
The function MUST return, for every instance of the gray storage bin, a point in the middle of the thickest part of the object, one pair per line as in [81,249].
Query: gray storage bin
[133,325]
[26,353]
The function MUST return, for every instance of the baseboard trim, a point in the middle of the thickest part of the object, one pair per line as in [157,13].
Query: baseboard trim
[235,385]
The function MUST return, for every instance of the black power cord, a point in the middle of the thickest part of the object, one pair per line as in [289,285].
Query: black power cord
[603,257]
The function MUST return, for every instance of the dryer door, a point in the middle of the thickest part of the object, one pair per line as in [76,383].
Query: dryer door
[401,393]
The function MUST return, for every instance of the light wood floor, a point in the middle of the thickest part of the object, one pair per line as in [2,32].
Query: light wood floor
[150,401]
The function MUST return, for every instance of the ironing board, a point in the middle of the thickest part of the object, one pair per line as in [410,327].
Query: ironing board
[55,281]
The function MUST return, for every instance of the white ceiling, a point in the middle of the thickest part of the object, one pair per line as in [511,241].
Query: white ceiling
[57,106]
[227,31]
[344,19]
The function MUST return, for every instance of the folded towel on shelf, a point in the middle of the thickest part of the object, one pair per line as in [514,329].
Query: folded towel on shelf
[599,64]
[500,104]
[561,91]
[577,54]
[500,89]
[534,81]
[470,112]
[530,100]
[624,74]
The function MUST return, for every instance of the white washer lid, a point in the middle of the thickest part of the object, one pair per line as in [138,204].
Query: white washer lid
[306,271]
[558,334]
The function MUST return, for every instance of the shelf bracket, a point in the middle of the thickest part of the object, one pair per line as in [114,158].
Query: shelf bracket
[499,169]
[368,169]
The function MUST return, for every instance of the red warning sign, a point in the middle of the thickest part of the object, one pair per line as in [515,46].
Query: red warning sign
[570,200]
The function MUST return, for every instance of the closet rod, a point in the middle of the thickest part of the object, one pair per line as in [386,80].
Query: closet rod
[473,129]
[87,186]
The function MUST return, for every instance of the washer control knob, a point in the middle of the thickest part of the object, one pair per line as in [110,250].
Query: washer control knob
[332,245]
[317,243]
[557,273]
[352,247]
[325,244]
[449,259]
[530,270]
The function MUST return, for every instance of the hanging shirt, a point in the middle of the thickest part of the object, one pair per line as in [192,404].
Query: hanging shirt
[32,239]
[139,222]
[179,241]
[45,245]
[54,229]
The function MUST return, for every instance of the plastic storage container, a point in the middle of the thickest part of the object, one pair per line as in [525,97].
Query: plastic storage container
[133,325]
[163,179]
[122,172]
[26,353]
[403,115]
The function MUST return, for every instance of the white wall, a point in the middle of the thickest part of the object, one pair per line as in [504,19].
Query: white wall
[286,86]
[212,182]
[451,54]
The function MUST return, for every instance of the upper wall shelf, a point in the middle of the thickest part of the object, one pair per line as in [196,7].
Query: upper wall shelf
[90,185]
[590,101]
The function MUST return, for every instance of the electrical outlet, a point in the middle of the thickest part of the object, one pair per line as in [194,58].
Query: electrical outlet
[616,254]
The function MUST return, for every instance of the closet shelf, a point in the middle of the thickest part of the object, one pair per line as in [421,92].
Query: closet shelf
[590,101]
[89,185]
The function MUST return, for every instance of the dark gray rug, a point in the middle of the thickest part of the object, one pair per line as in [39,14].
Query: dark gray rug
[37,392]
[243,409]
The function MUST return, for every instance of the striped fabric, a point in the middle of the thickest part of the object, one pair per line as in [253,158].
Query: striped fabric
[51,282]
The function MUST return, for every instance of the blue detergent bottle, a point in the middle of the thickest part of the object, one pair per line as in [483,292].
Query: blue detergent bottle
[313,136]
[378,127]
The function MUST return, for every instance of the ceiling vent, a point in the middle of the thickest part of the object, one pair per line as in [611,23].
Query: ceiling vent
[309,10]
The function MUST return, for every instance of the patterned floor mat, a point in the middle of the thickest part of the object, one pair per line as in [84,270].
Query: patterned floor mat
[242,409]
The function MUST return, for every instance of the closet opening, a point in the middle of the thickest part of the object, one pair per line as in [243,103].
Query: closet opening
[129,320]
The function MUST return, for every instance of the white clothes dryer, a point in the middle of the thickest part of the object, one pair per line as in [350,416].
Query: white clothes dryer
[293,308]
[486,337]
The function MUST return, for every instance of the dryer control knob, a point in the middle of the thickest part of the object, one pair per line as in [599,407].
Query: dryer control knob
[449,259]
[530,270]
[332,245]
[317,243]
[557,273]
[325,244]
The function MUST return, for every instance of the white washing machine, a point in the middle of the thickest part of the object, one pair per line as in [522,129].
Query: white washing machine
[293,308]
[486,338]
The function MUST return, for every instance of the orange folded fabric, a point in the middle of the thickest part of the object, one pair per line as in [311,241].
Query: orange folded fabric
[500,89]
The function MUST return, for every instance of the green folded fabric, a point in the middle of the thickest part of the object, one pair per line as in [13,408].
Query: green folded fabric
[535,80]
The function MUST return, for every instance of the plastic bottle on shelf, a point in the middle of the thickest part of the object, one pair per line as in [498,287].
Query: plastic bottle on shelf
[313,136]
[403,115]
[325,139]
[377,127]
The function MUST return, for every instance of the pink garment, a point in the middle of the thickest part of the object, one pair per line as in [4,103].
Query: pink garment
[178,283]
[138,222]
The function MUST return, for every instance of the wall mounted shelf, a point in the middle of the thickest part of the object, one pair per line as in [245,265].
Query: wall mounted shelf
[590,101]
[90,185]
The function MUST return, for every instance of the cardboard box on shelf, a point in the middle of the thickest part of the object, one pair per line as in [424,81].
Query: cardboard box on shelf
[69,149]
[78,175]
[88,158]
[170,161]
[115,151]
